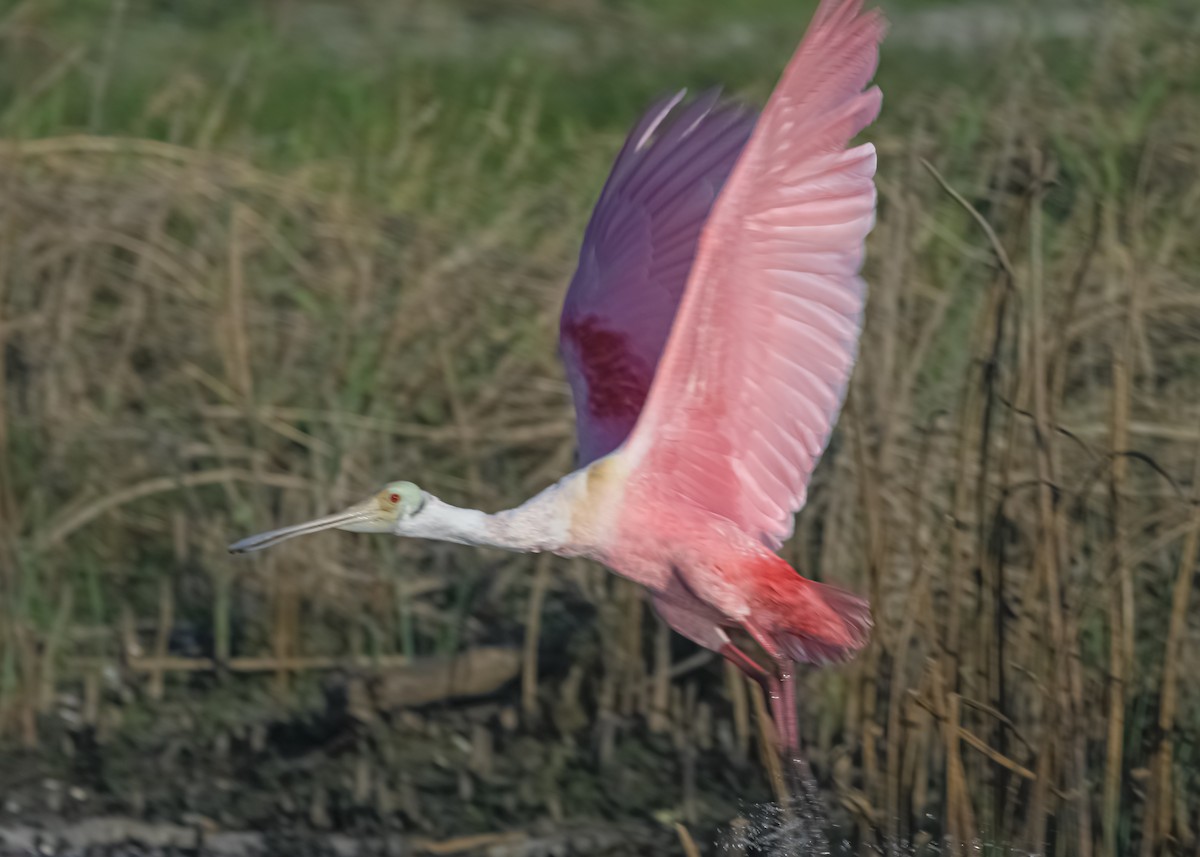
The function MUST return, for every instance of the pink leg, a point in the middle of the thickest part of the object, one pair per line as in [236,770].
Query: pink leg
[787,681]
[789,729]
[698,622]
[780,692]
[745,663]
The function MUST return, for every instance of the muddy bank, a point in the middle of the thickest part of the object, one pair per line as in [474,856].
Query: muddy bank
[220,772]
[126,836]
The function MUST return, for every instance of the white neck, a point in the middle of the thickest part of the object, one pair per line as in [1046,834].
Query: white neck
[538,525]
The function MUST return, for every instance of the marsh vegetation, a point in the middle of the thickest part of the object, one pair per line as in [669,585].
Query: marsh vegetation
[256,259]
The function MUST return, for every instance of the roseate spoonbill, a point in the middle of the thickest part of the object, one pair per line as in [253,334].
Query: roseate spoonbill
[708,335]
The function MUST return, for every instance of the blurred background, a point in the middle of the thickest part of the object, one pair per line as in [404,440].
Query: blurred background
[258,258]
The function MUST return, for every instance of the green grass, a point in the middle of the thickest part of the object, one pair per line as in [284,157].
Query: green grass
[346,83]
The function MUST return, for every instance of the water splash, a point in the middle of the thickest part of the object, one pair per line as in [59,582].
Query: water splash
[798,828]
[803,827]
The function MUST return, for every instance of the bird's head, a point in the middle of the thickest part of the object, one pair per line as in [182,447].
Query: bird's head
[387,511]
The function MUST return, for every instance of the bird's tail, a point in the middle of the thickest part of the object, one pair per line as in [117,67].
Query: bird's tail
[806,620]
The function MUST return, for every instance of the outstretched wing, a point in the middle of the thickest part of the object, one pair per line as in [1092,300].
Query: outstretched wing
[755,370]
[635,258]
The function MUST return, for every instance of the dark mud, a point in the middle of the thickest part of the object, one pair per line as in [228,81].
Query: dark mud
[233,772]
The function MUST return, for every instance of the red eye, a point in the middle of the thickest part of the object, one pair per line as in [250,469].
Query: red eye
[395,498]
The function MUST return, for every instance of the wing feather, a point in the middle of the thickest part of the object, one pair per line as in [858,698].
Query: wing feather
[755,368]
[636,254]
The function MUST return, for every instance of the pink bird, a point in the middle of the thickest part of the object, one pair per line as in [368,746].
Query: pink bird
[708,336]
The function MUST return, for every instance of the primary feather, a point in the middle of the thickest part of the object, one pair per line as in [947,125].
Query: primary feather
[756,365]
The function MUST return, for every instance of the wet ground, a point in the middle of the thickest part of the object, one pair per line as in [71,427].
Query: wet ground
[228,774]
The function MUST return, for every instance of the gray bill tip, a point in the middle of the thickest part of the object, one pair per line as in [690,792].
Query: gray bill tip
[257,542]
[244,546]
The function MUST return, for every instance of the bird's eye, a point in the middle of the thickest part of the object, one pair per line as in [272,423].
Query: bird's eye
[395,498]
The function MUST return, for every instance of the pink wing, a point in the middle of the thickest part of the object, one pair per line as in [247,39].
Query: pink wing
[755,370]
[635,258]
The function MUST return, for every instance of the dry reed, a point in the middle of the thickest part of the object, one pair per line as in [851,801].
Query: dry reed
[194,347]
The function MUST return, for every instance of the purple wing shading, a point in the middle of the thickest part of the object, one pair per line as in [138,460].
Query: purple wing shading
[636,255]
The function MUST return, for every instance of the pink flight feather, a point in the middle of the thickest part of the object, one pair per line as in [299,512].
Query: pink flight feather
[755,369]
